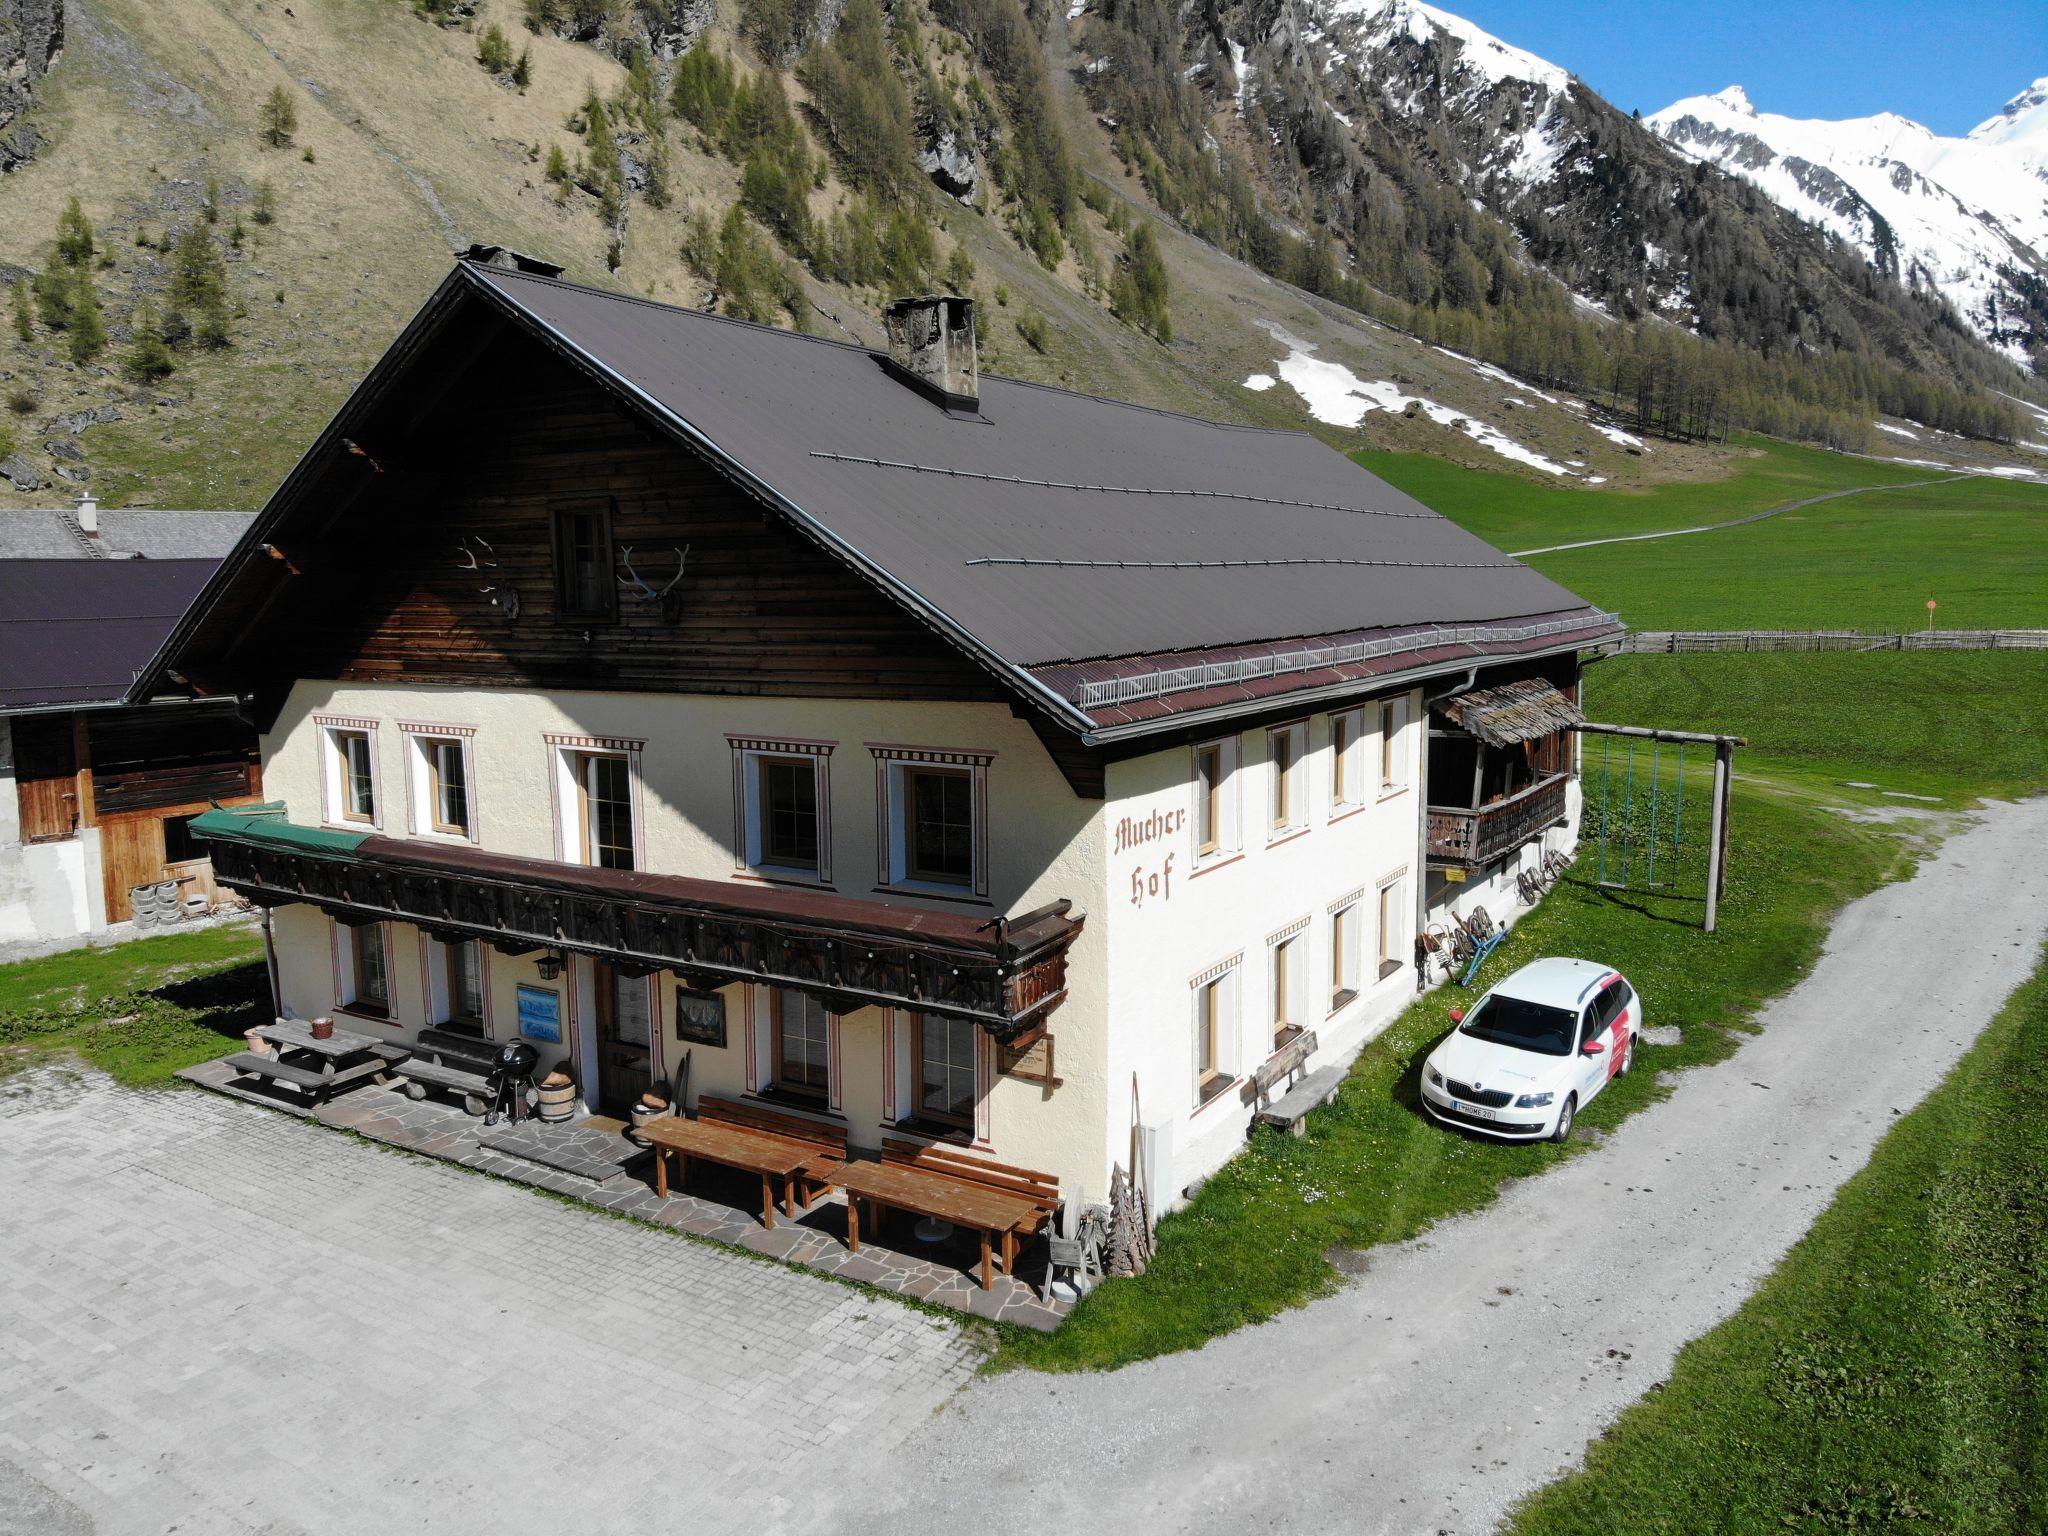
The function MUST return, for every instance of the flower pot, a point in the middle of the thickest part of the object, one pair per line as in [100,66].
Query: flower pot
[644,1112]
[323,1029]
[555,1099]
[258,1046]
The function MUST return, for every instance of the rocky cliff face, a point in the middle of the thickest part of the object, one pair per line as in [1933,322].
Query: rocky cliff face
[31,36]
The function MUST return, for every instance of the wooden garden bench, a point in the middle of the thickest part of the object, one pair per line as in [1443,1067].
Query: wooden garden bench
[949,1185]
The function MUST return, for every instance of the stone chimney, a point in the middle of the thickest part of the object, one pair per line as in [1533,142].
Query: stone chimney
[88,514]
[931,348]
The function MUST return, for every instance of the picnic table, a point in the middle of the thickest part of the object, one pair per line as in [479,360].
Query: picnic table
[733,1146]
[903,1188]
[313,1066]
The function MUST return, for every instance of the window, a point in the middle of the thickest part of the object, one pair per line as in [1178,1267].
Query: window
[1290,957]
[370,970]
[789,811]
[356,775]
[1344,954]
[1393,926]
[585,586]
[1288,744]
[802,1043]
[1393,716]
[1215,797]
[934,802]
[604,809]
[440,773]
[448,786]
[464,978]
[1346,768]
[946,1073]
[1214,1029]
[180,846]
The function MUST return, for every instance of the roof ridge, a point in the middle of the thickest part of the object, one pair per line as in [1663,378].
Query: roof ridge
[496,274]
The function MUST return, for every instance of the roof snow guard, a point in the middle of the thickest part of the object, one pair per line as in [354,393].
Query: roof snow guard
[1211,674]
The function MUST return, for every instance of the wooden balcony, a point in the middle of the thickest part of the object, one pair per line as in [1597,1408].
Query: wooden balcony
[1463,838]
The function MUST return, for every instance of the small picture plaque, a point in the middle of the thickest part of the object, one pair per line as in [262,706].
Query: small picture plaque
[700,1017]
[540,1013]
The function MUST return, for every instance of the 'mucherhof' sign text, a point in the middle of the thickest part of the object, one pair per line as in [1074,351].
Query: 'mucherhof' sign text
[1148,883]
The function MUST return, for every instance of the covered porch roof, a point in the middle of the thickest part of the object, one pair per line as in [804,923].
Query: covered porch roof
[1004,974]
[1511,713]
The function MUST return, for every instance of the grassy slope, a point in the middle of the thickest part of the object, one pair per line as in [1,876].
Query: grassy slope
[1889,1375]
[139,1011]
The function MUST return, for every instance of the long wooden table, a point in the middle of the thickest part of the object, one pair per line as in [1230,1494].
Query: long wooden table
[990,1211]
[733,1146]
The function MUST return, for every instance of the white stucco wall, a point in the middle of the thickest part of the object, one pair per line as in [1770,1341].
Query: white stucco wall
[48,891]
[1044,845]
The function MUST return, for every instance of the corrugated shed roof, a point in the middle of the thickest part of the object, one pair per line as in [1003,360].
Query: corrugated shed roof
[52,533]
[1512,712]
[77,631]
[1055,526]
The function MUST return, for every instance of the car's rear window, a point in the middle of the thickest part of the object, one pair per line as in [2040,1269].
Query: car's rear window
[1525,1026]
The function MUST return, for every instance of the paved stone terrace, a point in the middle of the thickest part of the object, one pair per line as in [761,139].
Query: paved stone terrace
[723,1206]
[226,1321]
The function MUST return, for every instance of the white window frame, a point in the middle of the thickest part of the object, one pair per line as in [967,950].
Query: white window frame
[1287,973]
[564,754]
[763,1067]
[1290,783]
[334,771]
[1347,950]
[346,940]
[1347,762]
[893,766]
[436,961]
[423,776]
[1390,897]
[1226,977]
[903,1083]
[1393,763]
[1229,836]
[749,840]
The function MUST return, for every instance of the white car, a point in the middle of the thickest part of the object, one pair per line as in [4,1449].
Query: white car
[1534,1051]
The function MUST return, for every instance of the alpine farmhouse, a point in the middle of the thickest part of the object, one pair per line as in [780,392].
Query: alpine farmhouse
[939,756]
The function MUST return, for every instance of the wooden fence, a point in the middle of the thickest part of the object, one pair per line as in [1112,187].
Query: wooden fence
[1666,642]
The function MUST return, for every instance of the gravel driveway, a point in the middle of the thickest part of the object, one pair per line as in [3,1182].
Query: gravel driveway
[1469,1367]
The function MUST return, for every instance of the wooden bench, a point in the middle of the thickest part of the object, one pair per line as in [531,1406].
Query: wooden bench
[421,1075]
[826,1144]
[1290,1111]
[1040,1192]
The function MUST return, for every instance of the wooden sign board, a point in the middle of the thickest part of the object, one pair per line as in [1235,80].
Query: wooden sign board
[1030,1058]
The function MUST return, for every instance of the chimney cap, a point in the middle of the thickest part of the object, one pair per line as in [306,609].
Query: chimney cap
[87,512]
[509,260]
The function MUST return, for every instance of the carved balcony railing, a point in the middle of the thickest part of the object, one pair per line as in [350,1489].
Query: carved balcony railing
[1469,839]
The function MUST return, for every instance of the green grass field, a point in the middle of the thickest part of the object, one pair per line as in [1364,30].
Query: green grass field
[139,1011]
[1979,547]
[1889,1376]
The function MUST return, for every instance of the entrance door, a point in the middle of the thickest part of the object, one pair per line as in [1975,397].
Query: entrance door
[623,1065]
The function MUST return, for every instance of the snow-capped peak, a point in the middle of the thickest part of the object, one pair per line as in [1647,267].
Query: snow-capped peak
[2025,117]
[1382,21]
[1735,99]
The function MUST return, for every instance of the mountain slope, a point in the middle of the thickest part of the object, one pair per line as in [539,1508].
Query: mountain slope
[1967,218]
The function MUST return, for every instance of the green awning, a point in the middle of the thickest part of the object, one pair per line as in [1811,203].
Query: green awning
[265,824]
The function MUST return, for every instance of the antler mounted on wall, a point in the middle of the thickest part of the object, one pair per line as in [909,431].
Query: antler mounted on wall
[642,590]
[501,596]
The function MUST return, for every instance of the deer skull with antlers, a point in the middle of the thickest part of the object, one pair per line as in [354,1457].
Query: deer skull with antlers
[640,588]
[501,596]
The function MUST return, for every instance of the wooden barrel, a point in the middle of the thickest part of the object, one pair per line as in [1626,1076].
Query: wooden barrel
[557,1102]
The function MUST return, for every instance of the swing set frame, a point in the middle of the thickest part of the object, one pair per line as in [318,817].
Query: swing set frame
[1717,831]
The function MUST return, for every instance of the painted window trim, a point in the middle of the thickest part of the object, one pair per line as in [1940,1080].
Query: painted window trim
[342,950]
[437,986]
[747,752]
[334,772]
[1393,743]
[762,1064]
[561,748]
[419,738]
[903,1082]
[1340,805]
[1230,835]
[1386,965]
[1298,818]
[1229,1028]
[1295,933]
[892,828]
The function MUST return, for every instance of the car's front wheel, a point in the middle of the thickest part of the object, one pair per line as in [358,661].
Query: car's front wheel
[1565,1116]
[1628,1057]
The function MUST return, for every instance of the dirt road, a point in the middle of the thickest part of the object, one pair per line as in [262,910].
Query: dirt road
[1467,1368]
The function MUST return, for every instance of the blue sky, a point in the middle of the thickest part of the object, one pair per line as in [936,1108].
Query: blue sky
[1950,64]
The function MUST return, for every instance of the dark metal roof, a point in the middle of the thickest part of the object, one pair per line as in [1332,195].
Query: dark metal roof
[1512,712]
[78,631]
[1054,526]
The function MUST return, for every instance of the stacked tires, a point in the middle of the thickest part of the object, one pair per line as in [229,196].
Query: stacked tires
[158,903]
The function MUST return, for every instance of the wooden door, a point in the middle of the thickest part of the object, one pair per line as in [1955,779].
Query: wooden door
[46,777]
[623,1036]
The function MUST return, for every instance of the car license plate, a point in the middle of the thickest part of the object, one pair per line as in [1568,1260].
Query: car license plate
[1476,1111]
